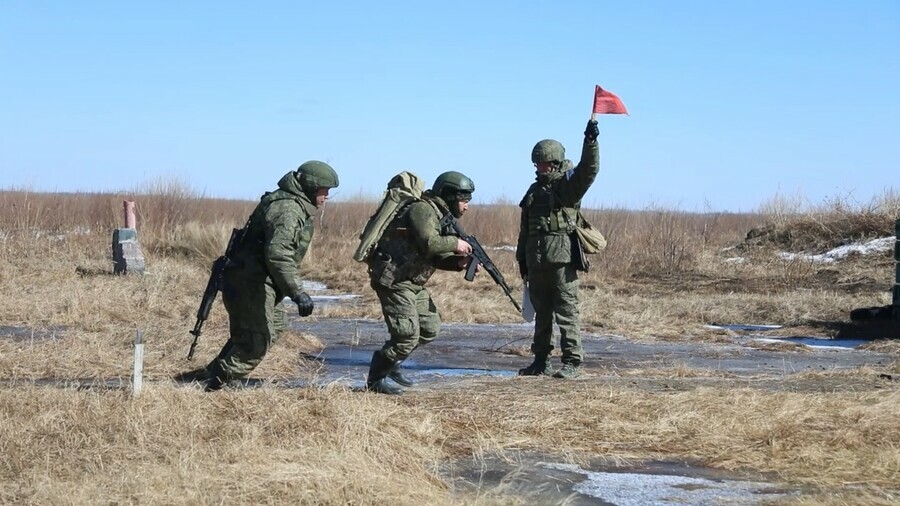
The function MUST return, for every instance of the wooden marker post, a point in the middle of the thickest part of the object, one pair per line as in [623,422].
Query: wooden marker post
[137,379]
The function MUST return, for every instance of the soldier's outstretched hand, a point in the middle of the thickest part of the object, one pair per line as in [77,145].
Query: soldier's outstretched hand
[462,247]
[592,130]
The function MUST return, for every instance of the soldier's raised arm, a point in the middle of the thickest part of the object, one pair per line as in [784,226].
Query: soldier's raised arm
[578,180]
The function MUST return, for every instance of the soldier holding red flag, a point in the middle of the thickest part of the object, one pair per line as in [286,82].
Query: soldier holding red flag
[549,252]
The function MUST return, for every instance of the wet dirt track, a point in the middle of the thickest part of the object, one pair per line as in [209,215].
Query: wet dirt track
[467,350]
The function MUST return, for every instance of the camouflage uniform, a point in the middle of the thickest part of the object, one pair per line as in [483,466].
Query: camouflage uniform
[264,272]
[413,246]
[544,254]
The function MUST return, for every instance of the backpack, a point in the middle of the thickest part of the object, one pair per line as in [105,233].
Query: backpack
[402,189]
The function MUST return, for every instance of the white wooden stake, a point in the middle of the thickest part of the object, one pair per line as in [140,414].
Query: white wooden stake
[137,379]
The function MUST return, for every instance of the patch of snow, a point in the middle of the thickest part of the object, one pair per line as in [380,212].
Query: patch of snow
[314,286]
[743,326]
[80,230]
[735,260]
[815,343]
[334,298]
[329,299]
[870,247]
[462,372]
[639,489]
[501,248]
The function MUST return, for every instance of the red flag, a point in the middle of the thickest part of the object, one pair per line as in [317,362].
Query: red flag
[606,102]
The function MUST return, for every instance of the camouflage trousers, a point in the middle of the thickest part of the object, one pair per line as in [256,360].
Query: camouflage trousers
[554,294]
[410,314]
[256,318]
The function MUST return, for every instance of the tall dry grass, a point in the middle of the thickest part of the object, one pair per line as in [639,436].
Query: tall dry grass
[171,217]
[652,254]
[797,224]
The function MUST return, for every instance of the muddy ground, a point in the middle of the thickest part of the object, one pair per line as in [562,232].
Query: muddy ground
[741,358]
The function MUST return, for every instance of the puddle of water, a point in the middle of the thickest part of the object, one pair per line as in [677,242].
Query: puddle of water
[314,286]
[325,300]
[542,479]
[342,361]
[816,343]
[346,357]
[334,298]
[25,334]
[464,372]
[486,347]
[330,300]
[639,489]
[743,327]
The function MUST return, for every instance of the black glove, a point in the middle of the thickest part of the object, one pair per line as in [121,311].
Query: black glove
[592,131]
[304,303]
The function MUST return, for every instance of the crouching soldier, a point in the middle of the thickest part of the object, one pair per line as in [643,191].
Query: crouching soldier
[413,246]
[265,270]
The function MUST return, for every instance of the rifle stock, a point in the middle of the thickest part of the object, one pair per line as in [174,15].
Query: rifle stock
[480,257]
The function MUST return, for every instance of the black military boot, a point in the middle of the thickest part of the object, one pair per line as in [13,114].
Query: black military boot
[378,372]
[540,367]
[198,374]
[569,370]
[396,374]
[217,379]
[214,384]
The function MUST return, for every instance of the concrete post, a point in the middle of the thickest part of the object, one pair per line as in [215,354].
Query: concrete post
[126,249]
[129,214]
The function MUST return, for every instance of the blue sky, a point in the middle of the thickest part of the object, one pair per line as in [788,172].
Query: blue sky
[731,102]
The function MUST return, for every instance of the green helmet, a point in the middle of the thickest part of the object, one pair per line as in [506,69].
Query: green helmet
[453,186]
[548,150]
[314,174]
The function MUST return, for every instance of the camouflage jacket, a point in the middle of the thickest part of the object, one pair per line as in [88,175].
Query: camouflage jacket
[414,244]
[277,238]
[549,211]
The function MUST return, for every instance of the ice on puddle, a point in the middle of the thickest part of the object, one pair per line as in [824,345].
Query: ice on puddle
[640,489]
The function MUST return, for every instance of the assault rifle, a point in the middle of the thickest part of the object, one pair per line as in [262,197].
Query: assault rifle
[479,257]
[215,284]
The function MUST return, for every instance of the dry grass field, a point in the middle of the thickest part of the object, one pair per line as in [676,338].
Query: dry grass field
[665,275]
